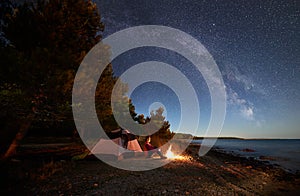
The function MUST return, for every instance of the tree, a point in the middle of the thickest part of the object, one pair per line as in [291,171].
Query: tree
[47,41]
[163,135]
[103,99]
[156,122]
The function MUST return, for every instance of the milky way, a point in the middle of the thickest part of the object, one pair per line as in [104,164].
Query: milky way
[256,45]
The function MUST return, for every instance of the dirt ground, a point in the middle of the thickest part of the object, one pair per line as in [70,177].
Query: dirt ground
[49,170]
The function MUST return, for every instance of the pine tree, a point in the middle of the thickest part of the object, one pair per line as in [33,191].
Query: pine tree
[47,41]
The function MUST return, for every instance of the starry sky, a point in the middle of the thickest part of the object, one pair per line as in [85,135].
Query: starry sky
[256,45]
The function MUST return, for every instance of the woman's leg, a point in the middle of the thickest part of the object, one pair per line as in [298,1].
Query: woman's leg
[150,153]
[160,153]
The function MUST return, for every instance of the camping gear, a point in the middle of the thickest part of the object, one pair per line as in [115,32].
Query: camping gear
[122,144]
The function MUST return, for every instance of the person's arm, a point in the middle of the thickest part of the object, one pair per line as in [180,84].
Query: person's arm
[148,146]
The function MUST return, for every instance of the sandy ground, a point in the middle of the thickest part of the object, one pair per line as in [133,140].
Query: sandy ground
[49,170]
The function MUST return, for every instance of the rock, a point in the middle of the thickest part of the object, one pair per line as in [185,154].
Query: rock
[15,160]
[251,158]
[164,192]
[248,150]
[95,184]
[267,158]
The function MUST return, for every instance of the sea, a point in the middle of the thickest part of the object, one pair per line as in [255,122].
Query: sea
[284,153]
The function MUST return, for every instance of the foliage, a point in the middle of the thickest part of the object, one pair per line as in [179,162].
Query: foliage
[45,43]
[157,121]
[103,99]
[48,40]
[163,134]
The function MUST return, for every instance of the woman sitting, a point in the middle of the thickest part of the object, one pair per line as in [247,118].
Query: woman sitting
[152,149]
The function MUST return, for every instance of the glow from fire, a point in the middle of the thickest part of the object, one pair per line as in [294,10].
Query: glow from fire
[170,155]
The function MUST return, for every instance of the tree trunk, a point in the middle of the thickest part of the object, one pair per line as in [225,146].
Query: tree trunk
[19,136]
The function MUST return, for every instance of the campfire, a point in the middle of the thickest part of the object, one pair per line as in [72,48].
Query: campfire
[171,155]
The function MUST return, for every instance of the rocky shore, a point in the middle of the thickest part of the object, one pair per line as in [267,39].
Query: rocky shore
[51,171]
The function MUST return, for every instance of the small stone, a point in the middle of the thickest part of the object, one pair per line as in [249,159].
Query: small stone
[96,185]
[248,150]
[176,190]
[164,192]
[15,160]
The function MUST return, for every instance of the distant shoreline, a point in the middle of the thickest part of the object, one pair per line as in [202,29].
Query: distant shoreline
[189,136]
[201,138]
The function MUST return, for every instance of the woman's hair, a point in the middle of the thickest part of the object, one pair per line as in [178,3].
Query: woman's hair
[147,137]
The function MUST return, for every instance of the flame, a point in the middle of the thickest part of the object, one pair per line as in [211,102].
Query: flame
[170,155]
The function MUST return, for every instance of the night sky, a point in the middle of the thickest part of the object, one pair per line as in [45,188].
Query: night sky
[256,45]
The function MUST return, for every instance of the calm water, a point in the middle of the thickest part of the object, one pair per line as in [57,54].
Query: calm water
[283,152]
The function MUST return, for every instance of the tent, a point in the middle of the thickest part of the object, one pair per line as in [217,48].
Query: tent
[122,144]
